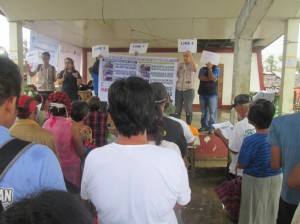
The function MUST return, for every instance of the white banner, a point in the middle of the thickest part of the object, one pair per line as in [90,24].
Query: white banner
[32,57]
[140,48]
[153,69]
[211,57]
[185,45]
[69,51]
[41,43]
[100,50]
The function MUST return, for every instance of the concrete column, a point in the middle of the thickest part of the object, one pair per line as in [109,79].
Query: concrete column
[289,66]
[16,43]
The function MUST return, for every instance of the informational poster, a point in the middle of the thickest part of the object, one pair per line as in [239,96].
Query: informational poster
[100,50]
[211,57]
[41,43]
[185,45]
[69,51]
[152,69]
[140,48]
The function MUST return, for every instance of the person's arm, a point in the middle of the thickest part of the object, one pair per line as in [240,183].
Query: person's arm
[192,61]
[202,77]
[61,77]
[76,138]
[293,180]
[211,76]
[275,158]
[31,74]
[78,77]
[54,74]
[219,133]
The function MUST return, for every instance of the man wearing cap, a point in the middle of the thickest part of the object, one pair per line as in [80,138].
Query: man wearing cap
[26,128]
[241,130]
[37,168]
[177,131]
[46,75]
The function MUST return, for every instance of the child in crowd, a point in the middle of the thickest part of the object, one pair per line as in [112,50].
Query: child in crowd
[261,185]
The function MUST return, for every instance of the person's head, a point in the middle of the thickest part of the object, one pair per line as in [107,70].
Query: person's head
[261,113]
[46,57]
[48,207]
[94,104]
[60,104]
[79,110]
[26,107]
[10,90]
[187,57]
[241,104]
[42,99]
[69,64]
[160,94]
[131,105]
[155,131]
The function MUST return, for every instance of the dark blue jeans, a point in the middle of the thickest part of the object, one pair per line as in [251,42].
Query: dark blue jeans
[208,104]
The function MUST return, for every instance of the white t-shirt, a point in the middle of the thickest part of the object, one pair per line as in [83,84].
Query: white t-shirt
[189,137]
[241,130]
[135,183]
[167,144]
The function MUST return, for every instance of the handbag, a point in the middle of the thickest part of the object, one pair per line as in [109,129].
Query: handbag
[229,193]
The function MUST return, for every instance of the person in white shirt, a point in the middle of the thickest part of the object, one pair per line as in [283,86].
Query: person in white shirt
[241,130]
[131,181]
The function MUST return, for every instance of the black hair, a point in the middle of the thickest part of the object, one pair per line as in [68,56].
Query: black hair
[41,98]
[261,113]
[131,105]
[46,54]
[57,112]
[94,104]
[23,113]
[79,110]
[48,207]
[10,80]
[156,129]
[159,91]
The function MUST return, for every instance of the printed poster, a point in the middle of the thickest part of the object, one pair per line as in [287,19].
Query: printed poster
[69,51]
[152,69]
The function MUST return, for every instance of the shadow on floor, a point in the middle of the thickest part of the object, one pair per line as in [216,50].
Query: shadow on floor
[205,207]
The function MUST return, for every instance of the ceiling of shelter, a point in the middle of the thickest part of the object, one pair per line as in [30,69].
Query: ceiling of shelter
[85,23]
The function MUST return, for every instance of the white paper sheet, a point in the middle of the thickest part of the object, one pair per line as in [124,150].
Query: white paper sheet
[100,50]
[226,128]
[185,45]
[140,48]
[211,57]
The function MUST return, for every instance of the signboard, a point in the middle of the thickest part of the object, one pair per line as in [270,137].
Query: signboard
[140,48]
[100,50]
[211,57]
[185,45]
[153,69]
[41,43]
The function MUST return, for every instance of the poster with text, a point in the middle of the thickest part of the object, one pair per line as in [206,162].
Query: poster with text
[69,51]
[42,43]
[152,69]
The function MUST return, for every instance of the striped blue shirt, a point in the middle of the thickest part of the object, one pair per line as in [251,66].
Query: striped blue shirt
[255,156]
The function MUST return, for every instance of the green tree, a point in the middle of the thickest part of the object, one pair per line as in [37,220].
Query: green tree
[271,63]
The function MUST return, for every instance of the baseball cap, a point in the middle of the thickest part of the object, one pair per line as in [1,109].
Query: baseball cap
[26,105]
[159,91]
[241,99]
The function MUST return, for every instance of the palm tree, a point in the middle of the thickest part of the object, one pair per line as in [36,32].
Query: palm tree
[271,62]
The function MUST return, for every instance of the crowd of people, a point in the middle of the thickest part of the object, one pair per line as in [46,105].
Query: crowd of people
[56,151]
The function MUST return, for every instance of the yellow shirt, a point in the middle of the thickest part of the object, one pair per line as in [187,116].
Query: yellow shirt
[29,130]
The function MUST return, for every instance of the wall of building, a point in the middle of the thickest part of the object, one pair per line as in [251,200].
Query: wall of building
[226,59]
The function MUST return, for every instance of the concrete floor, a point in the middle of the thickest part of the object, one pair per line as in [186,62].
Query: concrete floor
[205,207]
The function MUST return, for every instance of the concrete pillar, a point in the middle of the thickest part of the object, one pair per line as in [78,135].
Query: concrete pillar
[16,43]
[289,66]
[250,17]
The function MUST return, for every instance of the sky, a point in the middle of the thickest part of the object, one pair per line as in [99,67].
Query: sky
[276,48]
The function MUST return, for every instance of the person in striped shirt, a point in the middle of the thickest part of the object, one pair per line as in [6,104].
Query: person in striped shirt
[261,185]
